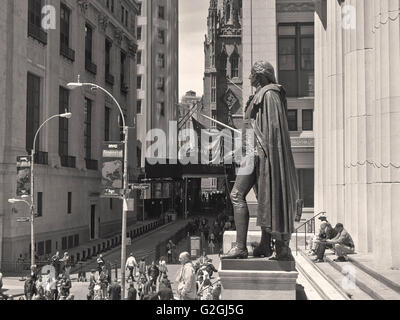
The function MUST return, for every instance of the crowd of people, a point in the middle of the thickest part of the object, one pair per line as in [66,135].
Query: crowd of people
[55,284]
[195,279]
[146,282]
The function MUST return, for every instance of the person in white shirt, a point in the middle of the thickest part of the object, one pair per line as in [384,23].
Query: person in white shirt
[131,265]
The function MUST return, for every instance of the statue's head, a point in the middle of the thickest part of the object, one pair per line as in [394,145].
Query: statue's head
[262,73]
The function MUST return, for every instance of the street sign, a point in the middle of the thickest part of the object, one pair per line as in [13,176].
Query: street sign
[129,205]
[139,186]
[128,241]
[112,176]
[23,219]
[23,176]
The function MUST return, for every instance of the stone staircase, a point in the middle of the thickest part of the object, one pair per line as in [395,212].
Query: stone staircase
[350,280]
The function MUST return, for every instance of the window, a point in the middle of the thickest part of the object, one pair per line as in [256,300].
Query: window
[213,88]
[161,12]
[292,120]
[88,42]
[107,124]
[124,16]
[108,46]
[306,186]
[110,5]
[88,129]
[111,204]
[70,242]
[161,108]
[40,248]
[139,82]
[63,123]
[161,36]
[65,20]
[160,84]
[139,57]
[48,247]
[64,243]
[35,21]
[139,9]
[39,208]
[308,120]
[296,59]
[123,70]
[32,110]
[69,203]
[139,107]
[139,33]
[214,116]
[76,240]
[35,12]
[161,60]
[235,65]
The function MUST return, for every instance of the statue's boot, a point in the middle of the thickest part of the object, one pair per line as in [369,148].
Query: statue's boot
[242,225]
[282,251]
[264,248]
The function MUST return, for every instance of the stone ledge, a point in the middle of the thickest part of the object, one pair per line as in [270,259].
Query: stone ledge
[257,264]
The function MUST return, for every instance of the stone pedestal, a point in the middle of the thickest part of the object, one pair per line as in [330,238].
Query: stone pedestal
[230,240]
[258,279]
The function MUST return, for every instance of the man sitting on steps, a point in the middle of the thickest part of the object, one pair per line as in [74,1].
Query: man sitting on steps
[342,245]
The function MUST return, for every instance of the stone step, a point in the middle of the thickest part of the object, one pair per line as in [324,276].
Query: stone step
[375,288]
[326,289]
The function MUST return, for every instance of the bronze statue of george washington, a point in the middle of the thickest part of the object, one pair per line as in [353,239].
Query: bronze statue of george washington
[274,175]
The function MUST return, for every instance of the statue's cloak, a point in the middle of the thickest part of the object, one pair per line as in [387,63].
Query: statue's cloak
[276,187]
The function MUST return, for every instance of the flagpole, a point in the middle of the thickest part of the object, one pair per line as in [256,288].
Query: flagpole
[220,123]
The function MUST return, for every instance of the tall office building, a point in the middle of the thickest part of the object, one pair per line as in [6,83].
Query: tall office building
[157,64]
[93,39]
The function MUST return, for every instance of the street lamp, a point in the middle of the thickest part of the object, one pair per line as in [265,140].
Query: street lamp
[66,115]
[72,86]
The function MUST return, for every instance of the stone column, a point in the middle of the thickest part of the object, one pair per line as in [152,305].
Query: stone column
[386,137]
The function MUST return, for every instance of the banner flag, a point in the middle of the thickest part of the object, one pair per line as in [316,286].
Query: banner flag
[23,176]
[112,169]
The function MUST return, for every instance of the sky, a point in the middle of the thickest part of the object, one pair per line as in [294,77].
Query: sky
[192,29]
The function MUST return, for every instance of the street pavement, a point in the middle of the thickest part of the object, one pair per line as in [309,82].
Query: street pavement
[142,247]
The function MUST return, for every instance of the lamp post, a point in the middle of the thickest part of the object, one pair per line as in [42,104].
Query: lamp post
[66,115]
[74,85]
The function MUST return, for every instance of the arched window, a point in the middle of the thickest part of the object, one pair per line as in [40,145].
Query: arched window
[234,65]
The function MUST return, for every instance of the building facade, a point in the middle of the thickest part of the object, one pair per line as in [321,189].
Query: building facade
[157,64]
[357,122]
[93,39]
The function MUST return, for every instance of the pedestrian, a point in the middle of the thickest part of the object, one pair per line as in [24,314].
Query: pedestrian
[114,291]
[92,284]
[153,273]
[217,291]
[65,289]
[142,268]
[103,278]
[186,278]
[131,266]
[55,262]
[40,292]
[66,264]
[29,288]
[132,293]
[51,286]
[163,269]
[165,292]
[100,263]
[1,281]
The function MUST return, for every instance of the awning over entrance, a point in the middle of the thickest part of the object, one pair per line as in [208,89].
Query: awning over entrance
[179,171]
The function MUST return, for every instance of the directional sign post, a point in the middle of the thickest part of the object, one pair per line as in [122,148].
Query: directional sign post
[23,219]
